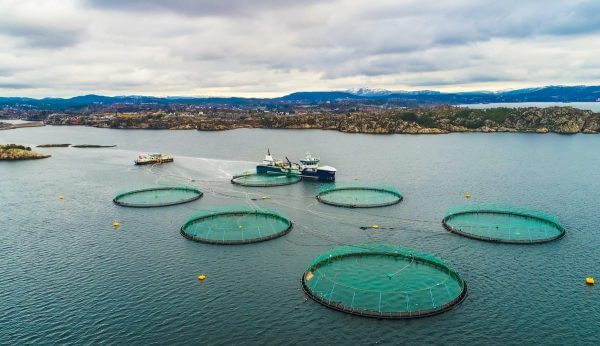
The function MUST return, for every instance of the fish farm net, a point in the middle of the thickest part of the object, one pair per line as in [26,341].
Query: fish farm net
[358,196]
[265,180]
[238,225]
[157,196]
[383,281]
[503,224]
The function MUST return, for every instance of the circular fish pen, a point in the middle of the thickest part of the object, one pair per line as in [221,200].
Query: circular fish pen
[503,224]
[265,180]
[240,225]
[157,196]
[358,196]
[383,281]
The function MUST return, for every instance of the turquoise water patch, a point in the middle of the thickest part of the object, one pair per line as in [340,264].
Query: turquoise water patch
[383,281]
[504,224]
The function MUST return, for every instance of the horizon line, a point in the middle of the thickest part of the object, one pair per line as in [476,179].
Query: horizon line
[348,91]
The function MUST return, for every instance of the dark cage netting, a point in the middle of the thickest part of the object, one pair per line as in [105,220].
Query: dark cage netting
[156,196]
[357,195]
[503,224]
[383,281]
[235,225]
[265,180]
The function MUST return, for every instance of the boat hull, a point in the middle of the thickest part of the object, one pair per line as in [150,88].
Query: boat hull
[152,162]
[319,174]
[265,169]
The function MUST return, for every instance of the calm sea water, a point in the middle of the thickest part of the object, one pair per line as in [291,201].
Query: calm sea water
[67,276]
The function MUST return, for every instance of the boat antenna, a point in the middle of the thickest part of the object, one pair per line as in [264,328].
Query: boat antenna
[268,151]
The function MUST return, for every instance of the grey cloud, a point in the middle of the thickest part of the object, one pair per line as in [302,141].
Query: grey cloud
[9,85]
[200,47]
[198,7]
[41,24]
[467,79]
[42,37]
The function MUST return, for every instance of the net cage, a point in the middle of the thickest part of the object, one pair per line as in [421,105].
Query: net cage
[383,281]
[355,195]
[503,224]
[235,225]
[265,180]
[156,196]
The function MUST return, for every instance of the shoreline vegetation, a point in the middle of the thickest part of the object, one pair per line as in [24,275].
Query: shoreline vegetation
[13,152]
[426,120]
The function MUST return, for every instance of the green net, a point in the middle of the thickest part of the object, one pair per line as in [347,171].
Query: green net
[235,225]
[265,180]
[357,195]
[502,223]
[385,281]
[156,196]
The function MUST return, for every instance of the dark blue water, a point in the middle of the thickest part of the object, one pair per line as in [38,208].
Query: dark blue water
[67,276]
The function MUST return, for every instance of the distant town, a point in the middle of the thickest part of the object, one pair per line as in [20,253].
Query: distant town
[358,111]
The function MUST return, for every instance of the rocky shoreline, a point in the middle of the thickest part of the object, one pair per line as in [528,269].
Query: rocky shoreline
[8,126]
[13,152]
[432,120]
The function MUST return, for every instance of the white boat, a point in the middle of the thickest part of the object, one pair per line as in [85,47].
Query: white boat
[151,159]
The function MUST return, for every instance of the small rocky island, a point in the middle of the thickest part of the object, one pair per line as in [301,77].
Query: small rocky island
[53,145]
[12,152]
[92,146]
[418,120]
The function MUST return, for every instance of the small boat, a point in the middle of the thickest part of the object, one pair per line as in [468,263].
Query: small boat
[151,159]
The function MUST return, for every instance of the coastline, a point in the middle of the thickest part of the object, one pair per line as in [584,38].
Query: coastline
[9,126]
[432,120]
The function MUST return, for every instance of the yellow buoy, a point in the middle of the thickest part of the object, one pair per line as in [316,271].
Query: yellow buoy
[375,226]
[309,275]
[589,280]
[201,277]
[468,195]
[61,197]
[265,197]
[116,224]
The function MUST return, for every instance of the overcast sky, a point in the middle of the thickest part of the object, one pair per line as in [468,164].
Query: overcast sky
[273,47]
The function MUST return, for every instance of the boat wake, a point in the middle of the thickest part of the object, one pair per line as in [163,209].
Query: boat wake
[212,168]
